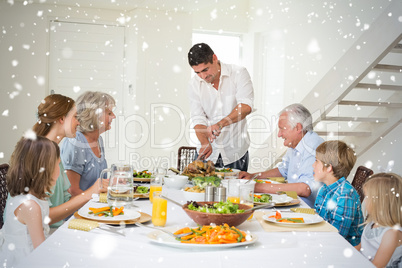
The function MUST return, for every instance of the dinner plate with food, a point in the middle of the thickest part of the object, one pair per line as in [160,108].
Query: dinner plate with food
[141,191]
[104,212]
[261,198]
[266,181]
[142,176]
[292,219]
[222,172]
[207,236]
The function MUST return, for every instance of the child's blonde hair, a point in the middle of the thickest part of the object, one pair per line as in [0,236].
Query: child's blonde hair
[336,153]
[31,167]
[383,197]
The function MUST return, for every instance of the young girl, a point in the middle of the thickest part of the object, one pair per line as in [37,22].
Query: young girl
[57,118]
[382,236]
[34,168]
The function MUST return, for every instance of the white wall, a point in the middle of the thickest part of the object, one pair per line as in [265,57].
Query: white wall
[158,70]
[24,55]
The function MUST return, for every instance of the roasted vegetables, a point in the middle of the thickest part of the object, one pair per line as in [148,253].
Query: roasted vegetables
[222,234]
[107,211]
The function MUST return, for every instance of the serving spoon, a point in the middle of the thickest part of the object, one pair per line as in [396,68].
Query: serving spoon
[268,205]
[162,230]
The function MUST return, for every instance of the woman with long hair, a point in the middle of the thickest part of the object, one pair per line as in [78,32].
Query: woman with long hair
[57,118]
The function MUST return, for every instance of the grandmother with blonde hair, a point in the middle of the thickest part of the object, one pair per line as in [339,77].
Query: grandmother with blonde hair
[83,157]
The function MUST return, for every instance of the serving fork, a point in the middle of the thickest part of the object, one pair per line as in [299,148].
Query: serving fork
[162,230]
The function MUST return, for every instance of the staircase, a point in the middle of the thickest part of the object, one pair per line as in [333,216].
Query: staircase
[359,100]
[371,108]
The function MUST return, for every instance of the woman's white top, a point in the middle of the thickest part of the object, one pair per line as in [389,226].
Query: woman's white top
[15,241]
[371,240]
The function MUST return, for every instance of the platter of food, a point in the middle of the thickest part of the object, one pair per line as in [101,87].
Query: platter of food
[291,219]
[205,237]
[104,213]
[222,172]
[141,191]
[199,168]
[266,181]
[274,198]
[142,176]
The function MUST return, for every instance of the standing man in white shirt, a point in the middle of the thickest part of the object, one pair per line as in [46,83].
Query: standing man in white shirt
[221,96]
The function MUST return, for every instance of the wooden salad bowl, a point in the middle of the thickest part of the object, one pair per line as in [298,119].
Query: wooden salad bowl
[202,218]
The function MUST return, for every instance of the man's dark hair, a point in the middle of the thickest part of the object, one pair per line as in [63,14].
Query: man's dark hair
[200,53]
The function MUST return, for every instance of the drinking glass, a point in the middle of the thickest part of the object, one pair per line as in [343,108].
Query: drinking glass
[159,209]
[156,181]
[233,194]
[247,196]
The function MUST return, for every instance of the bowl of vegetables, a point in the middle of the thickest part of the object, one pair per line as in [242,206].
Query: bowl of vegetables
[206,213]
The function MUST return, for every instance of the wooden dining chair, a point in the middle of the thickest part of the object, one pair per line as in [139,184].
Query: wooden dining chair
[185,156]
[362,173]
[3,191]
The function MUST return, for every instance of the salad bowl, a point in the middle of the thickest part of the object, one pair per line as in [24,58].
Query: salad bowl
[203,218]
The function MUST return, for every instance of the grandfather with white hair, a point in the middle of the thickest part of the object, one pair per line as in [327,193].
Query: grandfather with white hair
[295,127]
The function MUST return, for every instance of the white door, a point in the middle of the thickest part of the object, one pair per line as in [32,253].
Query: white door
[88,57]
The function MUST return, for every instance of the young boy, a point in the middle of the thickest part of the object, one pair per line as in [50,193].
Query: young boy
[337,201]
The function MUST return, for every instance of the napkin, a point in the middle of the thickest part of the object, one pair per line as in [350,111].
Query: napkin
[292,194]
[273,227]
[83,225]
[277,179]
[103,197]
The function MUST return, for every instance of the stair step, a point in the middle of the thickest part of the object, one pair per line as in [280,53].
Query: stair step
[371,103]
[397,49]
[356,119]
[344,133]
[382,87]
[388,68]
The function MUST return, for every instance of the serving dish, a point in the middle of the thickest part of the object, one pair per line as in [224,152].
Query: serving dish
[203,218]
[167,240]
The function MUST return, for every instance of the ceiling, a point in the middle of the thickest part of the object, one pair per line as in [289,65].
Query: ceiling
[126,5]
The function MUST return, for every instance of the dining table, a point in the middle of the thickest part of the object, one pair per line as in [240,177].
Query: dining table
[133,246]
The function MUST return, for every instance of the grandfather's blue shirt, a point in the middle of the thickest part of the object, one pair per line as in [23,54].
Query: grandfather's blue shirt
[77,155]
[339,204]
[297,164]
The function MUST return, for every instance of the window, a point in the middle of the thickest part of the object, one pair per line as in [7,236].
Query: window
[226,47]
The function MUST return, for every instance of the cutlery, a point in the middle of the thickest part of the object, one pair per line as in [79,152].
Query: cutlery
[162,230]
[113,229]
[171,200]
[201,156]
[255,176]
[268,205]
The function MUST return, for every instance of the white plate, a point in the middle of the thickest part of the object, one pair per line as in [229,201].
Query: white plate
[278,199]
[272,182]
[165,239]
[308,218]
[129,214]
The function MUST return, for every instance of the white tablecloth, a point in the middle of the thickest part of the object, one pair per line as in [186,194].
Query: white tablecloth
[99,248]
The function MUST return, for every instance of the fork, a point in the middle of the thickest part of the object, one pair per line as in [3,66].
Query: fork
[162,230]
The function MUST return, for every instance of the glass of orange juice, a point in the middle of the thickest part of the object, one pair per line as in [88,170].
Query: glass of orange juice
[155,186]
[233,194]
[159,209]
